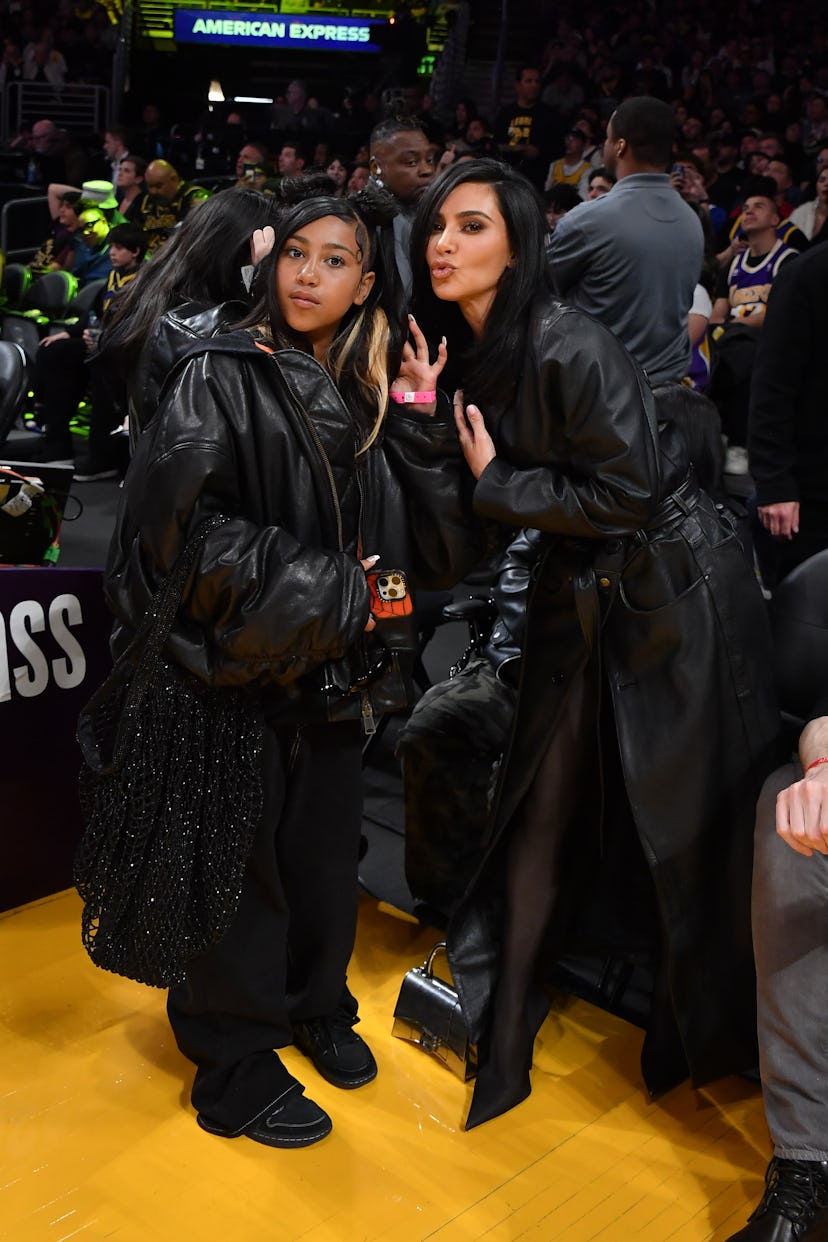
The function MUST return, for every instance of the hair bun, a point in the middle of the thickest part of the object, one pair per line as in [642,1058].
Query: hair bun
[293,190]
[376,206]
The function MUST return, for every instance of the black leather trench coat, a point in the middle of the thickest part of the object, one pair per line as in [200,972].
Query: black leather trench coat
[641,578]
[266,439]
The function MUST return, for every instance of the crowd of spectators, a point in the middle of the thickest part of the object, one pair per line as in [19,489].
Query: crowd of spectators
[56,42]
[748,89]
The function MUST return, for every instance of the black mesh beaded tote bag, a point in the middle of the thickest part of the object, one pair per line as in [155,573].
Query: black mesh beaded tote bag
[171,794]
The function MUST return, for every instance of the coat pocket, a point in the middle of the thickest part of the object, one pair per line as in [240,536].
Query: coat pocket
[663,572]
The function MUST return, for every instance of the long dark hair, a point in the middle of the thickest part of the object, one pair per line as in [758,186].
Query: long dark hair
[201,262]
[490,366]
[365,354]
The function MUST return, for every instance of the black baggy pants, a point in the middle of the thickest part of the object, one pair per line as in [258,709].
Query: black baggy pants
[285,956]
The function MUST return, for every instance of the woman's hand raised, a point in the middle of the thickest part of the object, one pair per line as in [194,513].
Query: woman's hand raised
[477,445]
[417,374]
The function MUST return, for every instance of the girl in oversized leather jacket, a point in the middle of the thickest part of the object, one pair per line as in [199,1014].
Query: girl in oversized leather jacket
[645,717]
[284,426]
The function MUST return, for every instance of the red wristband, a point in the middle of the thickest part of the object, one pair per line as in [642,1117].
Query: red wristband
[817,762]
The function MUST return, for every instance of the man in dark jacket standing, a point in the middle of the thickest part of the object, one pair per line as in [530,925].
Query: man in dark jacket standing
[786,429]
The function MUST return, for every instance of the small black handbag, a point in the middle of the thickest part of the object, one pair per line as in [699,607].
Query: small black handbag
[171,795]
[428,1014]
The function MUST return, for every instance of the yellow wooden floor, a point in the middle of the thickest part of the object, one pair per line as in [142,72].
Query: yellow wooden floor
[99,1140]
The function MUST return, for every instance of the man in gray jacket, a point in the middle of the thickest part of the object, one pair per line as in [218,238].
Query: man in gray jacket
[633,257]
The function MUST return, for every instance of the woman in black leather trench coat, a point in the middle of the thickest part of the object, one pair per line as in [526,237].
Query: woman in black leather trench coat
[646,717]
[283,427]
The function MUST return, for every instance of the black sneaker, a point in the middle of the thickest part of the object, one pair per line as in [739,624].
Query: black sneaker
[291,1121]
[340,1055]
[794,1207]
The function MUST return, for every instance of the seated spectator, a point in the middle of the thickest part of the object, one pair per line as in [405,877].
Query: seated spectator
[739,308]
[58,251]
[47,162]
[92,260]
[788,195]
[771,146]
[564,93]
[743,289]
[687,178]
[698,374]
[166,203]
[479,137]
[571,168]
[465,111]
[525,130]
[600,181]
[116,149]
[558,200]
[786,231]
[815,122]
[358,178]
[295,115]
[43,63]
[455,149]
[130,189]
[725,181]
[821,160]
[322,155]
[62,376]
[812,217]
[252,166]
[150,138]
[337,170]
[593,151]
[11,64]
[101,194]
[293,159]
[790,894]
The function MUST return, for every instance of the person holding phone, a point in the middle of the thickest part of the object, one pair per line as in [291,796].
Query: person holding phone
[313,425]
[252,166]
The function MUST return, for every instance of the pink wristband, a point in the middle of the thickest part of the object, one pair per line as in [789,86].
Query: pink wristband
[817,762]
[413,398]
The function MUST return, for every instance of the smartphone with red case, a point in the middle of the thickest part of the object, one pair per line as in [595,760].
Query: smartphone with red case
[390,596]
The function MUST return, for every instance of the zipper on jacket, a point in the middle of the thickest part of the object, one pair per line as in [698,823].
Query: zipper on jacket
[328,471]
[369,725]
[320,448]
[358,477]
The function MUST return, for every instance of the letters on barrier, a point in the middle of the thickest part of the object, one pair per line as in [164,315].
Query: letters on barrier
[54,651]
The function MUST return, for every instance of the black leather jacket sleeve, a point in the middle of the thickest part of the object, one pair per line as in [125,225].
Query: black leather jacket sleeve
[445,539]
[509,594]
[273,597]
[586,413]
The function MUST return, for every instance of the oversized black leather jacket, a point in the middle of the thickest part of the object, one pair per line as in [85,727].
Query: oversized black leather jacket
[267,439]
